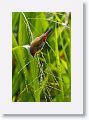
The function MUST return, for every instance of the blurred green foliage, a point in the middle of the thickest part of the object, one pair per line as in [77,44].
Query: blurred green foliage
[47,76]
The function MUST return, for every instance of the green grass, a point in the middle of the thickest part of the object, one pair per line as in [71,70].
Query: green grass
[46,77]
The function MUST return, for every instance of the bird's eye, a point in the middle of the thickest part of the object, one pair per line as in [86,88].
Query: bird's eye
[45,37]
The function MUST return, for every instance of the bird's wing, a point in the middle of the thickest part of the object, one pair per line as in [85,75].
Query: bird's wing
[36,43]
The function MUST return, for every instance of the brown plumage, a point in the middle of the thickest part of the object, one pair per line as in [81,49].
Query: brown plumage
[39,42]
[36,42]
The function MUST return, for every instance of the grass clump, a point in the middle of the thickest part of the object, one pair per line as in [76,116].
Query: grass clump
[46,77]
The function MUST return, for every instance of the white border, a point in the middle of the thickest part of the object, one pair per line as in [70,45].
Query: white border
[6,105]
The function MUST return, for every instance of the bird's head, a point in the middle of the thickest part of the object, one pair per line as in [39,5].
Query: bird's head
[45,35]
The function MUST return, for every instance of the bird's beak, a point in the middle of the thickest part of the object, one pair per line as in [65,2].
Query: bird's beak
[46,34]
[48,31]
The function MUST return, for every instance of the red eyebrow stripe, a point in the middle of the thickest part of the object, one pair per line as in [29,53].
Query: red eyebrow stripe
[45,37]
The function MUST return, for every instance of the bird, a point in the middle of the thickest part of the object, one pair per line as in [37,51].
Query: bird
[38,43]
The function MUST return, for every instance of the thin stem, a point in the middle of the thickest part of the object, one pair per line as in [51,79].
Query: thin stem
[15,48]
[58,64]
[61,23]
[51,48]
[29,29]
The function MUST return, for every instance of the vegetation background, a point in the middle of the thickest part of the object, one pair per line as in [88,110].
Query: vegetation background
[47,76]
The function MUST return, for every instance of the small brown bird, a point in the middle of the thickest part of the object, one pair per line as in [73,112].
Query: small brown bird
[39,42]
